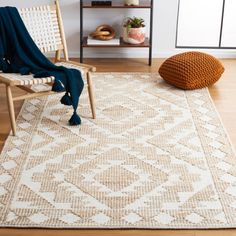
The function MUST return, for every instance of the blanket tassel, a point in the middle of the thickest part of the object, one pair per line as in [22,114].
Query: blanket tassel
[66,100]
[58,86]
[75,119]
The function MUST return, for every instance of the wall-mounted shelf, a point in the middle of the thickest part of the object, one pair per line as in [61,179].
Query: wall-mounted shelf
[116,4]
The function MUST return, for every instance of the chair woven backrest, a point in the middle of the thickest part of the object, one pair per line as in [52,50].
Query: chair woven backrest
[44,27]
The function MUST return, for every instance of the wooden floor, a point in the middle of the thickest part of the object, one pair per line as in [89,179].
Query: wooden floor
[224,96]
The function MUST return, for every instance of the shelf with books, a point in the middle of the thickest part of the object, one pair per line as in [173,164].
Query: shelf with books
[116,4]
[108,44]
[119,4]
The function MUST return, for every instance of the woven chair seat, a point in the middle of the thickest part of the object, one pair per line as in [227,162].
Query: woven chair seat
[26,80]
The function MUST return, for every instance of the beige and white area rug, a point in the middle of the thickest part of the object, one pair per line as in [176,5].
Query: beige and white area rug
[155,157]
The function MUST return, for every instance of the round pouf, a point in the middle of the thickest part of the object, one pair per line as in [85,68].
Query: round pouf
[191,70]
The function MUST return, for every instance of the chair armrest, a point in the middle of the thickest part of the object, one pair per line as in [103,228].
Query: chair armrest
[89,67]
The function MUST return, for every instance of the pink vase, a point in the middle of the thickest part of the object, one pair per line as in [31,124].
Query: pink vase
[134,35]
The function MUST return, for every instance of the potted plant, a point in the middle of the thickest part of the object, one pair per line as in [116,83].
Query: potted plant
[131,2]
[134,30]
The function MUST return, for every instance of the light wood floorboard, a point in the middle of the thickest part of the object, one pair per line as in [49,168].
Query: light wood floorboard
[224,97]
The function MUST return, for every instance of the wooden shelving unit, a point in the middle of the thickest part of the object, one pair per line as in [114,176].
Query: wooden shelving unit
[116,4]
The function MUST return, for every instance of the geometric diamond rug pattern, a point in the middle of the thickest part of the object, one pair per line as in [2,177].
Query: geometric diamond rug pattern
[156,157]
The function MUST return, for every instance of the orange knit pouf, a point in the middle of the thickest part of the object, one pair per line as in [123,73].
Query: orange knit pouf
[191,70]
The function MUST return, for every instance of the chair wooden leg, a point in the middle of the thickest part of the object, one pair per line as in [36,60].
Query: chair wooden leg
[91,95]
[11,109]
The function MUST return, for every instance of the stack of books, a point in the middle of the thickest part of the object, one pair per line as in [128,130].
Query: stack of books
[91,41]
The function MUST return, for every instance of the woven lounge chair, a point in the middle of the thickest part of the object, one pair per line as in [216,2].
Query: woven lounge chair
[44,24]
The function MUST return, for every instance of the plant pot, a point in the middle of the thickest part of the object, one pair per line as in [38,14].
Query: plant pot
[134,35]
[131,2]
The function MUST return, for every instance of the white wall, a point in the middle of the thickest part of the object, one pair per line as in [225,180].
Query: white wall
[165,16]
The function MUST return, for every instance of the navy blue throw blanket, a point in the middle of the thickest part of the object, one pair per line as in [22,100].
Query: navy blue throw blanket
[19,54]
